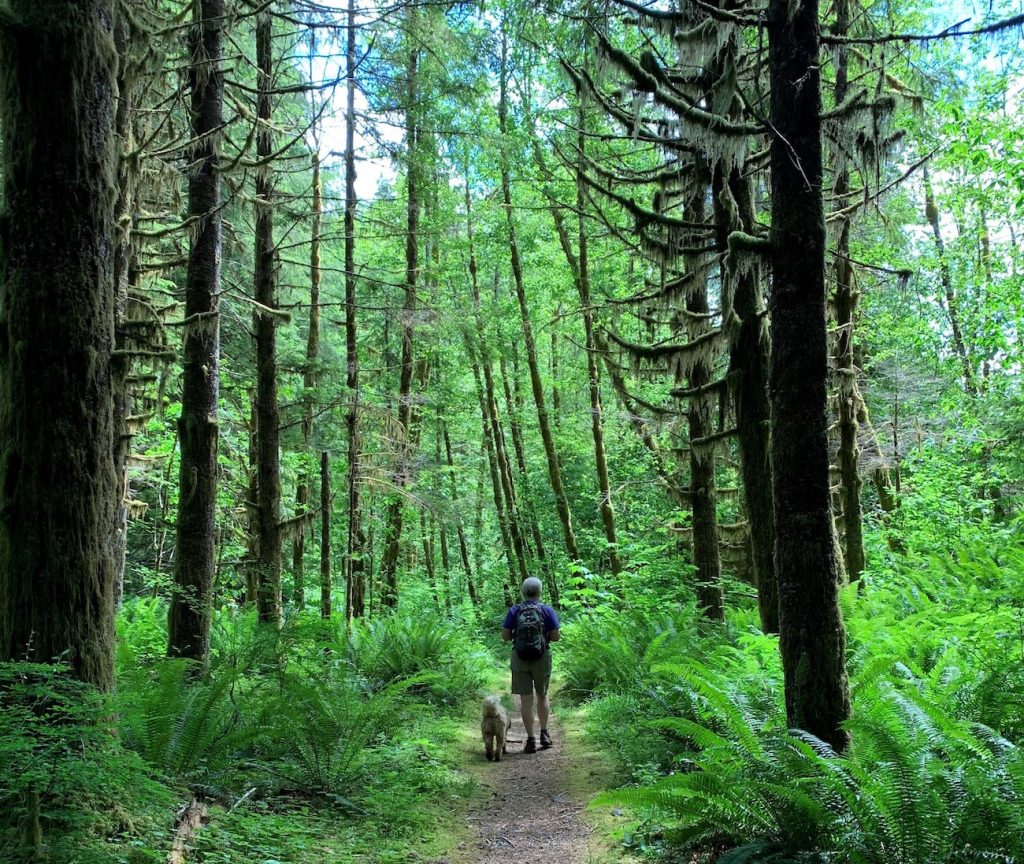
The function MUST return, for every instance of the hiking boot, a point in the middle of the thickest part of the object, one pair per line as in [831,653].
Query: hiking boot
[531,745]
[545,739]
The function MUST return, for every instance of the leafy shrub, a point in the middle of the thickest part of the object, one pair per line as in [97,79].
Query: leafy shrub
[934,774]
[141,630]
[320,730]
[68,789]
[183,725]
[920,787]
[608,651]
[446,664]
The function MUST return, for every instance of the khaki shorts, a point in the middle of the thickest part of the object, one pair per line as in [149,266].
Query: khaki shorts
[528,676]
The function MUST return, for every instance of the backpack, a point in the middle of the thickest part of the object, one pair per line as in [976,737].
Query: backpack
[530,643]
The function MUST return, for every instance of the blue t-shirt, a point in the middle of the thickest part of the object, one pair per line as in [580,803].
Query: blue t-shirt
[549,614]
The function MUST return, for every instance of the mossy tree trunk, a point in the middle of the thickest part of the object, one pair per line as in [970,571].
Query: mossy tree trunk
[355,563]
[188,624]
[268,465]
[309,383]
[514,409]
[812,636]
[58,485]
[125,269]
[749,358]
[845,302]
[699,420]
[459,523]
[515,564]
[593,368]
[325,535]
[396,506]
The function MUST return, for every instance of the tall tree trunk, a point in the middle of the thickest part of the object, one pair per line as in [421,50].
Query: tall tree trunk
[325,535]
[478,518]
[812,637]
[749,360]
[125,255]
[556,396]
[355,565]
[846,296]
[513,407]
[427,541]
[252,494]
[516,565]
[948,297]
[268,459]
[188,624]
[309,382]
[505,498]
[554,469]
[459,524]
[593,369]
[58,487]
[703,492]
[393,519]
[504,467]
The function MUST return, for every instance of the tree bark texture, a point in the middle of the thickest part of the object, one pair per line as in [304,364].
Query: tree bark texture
[188,626]
[812,637]
[515,565]
[325,535]
[396,507]
[749,359]
[513,407]
[459,524]
[845,302]
[268,420]
[355,565]
[703,491]
[309,383]
[58,487]
[125,261]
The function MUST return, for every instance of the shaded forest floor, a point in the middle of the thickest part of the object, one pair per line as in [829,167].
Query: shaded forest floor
[532,807]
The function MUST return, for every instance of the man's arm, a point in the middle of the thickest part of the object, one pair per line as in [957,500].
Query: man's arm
[508,625]
[555,633]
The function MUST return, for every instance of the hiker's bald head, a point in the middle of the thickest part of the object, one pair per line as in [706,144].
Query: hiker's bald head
[531,588]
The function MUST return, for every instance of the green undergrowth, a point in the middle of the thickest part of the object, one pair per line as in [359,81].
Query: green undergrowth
[311,742]
[402,813]
[692,716]
[69,788]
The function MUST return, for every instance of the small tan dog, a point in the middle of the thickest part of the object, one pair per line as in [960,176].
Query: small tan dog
[494,726]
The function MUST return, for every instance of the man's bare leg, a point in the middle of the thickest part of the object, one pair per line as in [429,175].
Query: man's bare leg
[526,710]
[543,712]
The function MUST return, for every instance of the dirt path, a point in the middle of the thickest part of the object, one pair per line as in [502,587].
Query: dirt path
[531,807]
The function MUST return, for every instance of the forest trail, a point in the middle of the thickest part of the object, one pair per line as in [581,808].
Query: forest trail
[533,807]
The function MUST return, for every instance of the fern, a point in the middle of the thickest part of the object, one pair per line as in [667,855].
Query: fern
[185,727]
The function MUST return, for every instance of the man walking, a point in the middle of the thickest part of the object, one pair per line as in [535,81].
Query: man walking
[531,627]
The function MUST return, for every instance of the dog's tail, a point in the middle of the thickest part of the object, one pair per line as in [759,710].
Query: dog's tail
[492,706]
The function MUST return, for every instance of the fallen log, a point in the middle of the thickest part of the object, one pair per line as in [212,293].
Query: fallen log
[189,818]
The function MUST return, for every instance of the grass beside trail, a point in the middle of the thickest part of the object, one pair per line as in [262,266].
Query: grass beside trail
[405,815]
